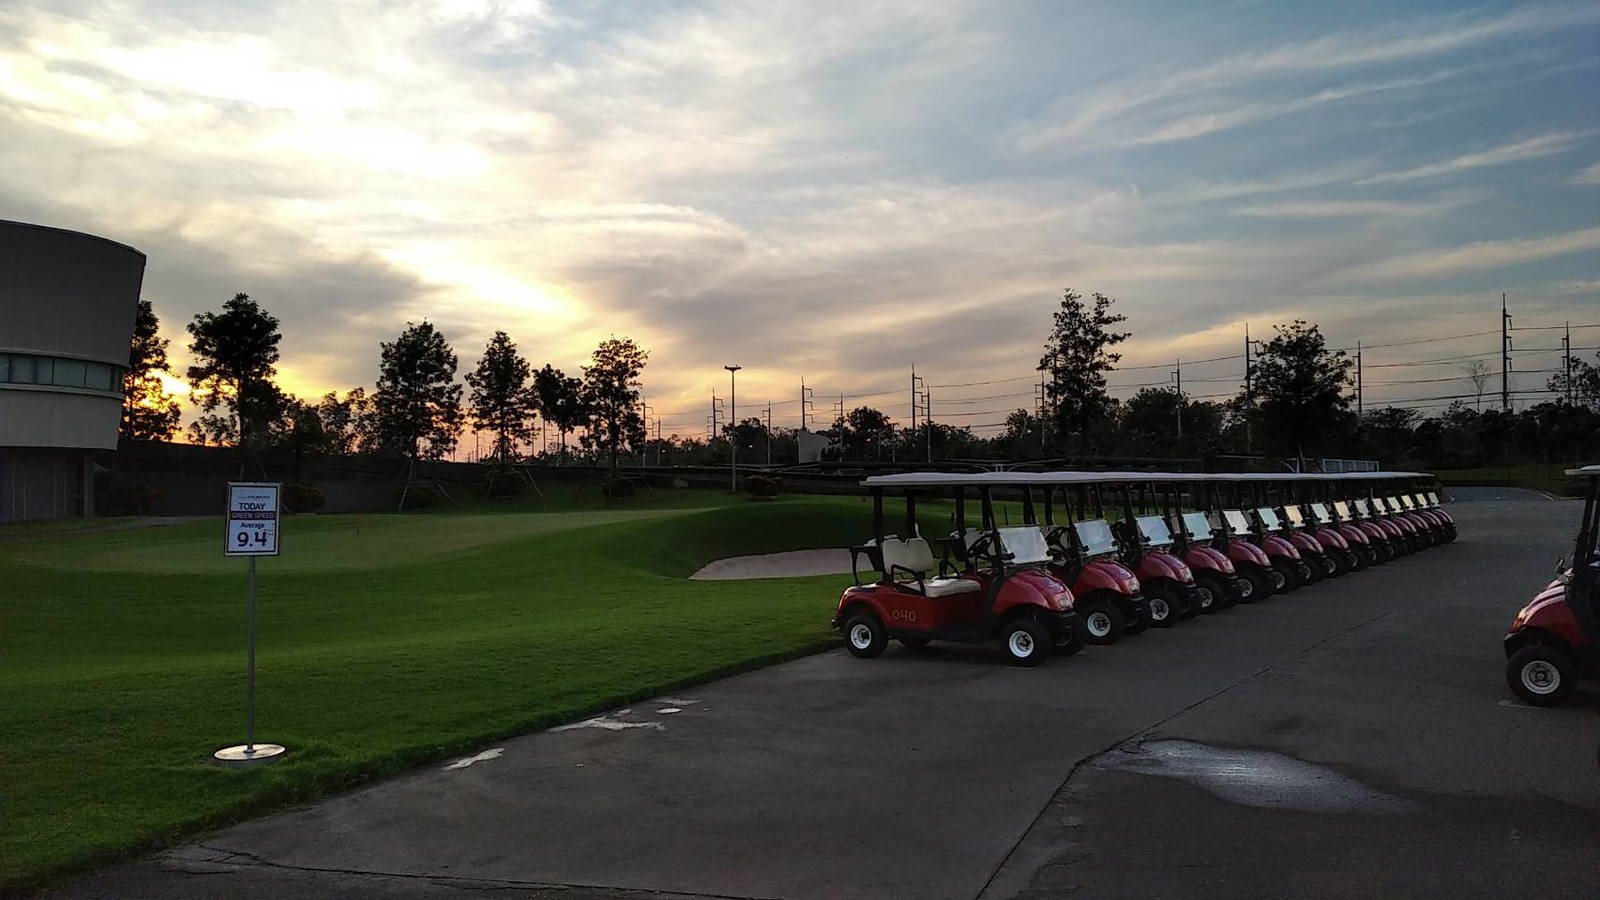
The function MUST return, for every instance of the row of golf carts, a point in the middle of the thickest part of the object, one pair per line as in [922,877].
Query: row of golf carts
[1095,556]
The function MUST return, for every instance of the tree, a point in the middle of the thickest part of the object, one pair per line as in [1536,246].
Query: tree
[149,413]
[1077,357]
[347,422]
[611,396]
[1299,385]
[503,402]
[236,350]
[1478,373]
[1151,420]
[865,431]
[210,429]
[750,436]
[560,402]
[1578,384]
[1390,432]
[417,405]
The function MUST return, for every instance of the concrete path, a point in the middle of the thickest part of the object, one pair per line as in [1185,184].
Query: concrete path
[946,773]
[788,564]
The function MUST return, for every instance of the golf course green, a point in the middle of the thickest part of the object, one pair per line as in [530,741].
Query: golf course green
[385,641]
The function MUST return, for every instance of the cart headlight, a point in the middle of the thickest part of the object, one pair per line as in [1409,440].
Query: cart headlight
[1132,584]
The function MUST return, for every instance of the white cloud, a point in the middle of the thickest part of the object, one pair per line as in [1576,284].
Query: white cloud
[1590,175]
[1478,256]
[1328,209]
[1528,148]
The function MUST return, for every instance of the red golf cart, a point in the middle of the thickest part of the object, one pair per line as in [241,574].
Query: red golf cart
[990,585]
[1555,639]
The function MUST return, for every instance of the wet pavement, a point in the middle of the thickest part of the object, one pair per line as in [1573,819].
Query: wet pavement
[1352,739]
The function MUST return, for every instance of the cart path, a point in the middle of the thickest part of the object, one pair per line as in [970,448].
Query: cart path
[948,774]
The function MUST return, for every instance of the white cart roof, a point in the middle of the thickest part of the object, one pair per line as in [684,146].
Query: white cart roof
[1591,471]
[1021,479]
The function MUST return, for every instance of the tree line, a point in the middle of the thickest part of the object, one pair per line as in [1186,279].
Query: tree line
[1296,402]
[415,412]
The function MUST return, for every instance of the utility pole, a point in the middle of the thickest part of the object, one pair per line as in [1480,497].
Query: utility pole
[927,417]
[1248,395]
[1505,356]
[1566,363]
[1358,384]
[769,433]
[1177,375]
[733,417]
[645,409]
[912,434]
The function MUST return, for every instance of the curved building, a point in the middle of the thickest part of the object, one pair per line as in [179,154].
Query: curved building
[67,304]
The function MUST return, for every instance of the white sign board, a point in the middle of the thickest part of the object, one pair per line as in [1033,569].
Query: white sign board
[252,519]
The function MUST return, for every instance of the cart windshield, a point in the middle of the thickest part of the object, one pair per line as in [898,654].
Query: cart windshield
[1237,523]
[1363,509]
[1433,499]
[1155,531]
[1095,536]
[1342,510]
[1295,517]
[1269,519]
[1319,511]
[1393,503]
[1196,525]
[1422,502]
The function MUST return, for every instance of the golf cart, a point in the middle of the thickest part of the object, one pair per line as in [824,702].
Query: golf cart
[1261,527]
[1106,594]
[1555,639]
[999,590]
[1192,539]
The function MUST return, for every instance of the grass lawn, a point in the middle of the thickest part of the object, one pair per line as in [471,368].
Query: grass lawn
[385,641]
[1550,479]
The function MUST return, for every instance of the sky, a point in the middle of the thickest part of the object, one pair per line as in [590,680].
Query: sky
[834,192]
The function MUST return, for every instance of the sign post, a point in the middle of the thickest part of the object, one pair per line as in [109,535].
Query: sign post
[253,518]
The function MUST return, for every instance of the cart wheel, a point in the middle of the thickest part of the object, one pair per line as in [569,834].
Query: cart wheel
[1026,641]
[1541,675]
[864,635]
[1387,551]
[1101,621]
[914,643]
[1138,619]
[1285,577]
[1253,586]
[1071,643]
[1337,562]
[1162,613]
[1308,573]
[1212,594]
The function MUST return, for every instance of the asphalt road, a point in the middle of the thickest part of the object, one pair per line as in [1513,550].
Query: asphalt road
[1353,739]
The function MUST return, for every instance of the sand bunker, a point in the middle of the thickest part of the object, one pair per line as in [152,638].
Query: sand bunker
[789,564]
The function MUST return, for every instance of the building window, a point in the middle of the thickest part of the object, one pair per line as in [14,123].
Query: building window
[21,368]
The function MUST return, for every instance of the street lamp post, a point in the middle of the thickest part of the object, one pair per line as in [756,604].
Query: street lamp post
[733,417]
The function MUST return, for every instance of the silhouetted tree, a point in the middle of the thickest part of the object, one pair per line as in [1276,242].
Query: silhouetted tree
[235,352]
[560,402]
[149,413]
[1299,387]
[417,405]
[503,402]
[611,396]
[1077,357]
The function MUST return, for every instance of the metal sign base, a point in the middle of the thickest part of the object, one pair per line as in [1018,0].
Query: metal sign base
[244,756]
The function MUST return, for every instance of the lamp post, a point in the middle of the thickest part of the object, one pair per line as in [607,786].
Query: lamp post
[733,417]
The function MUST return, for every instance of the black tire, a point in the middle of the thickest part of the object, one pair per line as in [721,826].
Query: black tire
[1254,585]
[1071,642]
[1541,675]
[914,643]
[1386,551]
[1213,593]
[1137,615]
[1183,601]
[1162,613]
[864,635]
[1026,642]
[1289,577]
[1102,622]
[1312,569]
[1340,560]
[1368,554]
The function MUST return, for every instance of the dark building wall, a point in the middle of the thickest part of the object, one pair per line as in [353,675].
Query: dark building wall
[44,483]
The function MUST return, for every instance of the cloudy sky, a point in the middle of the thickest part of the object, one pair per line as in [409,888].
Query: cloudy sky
[826,190]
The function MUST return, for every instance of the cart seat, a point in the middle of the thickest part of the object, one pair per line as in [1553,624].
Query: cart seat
[915,556]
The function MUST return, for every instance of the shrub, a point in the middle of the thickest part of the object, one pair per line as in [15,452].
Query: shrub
[302,497]
[616,490]
[762,485]
[418,496]
[120,495]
